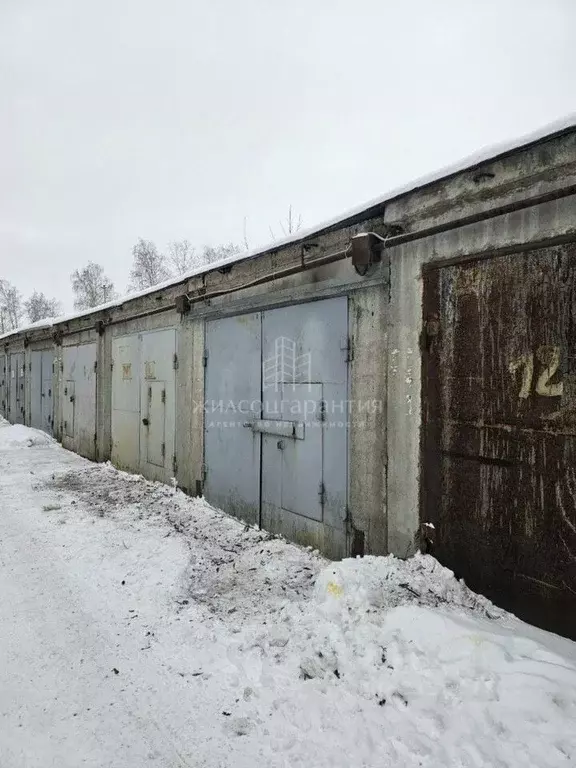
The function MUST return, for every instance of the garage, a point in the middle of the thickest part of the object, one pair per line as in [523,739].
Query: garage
[78,399]
[41,385]
[16,388]
[143,403]
[499,432]
[276,429]
[3,387]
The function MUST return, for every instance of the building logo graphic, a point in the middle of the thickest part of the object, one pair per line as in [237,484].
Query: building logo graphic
[286,367]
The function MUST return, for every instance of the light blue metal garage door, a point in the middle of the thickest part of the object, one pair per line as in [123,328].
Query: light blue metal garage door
[233,396]
[276,420]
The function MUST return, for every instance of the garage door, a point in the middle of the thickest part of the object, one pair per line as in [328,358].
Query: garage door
[499,433]
[3,386]
[275,453]
[144,403]
[41,374]
[79,399]
[16,388]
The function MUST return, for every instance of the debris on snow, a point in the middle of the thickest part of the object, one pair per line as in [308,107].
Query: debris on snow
[222,631]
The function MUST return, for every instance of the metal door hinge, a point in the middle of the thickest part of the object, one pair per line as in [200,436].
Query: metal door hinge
[322,411]
[175,361]
[95,365]
[30,367]
[163,450]
[322,493]
[61,367]
[174,464]
[163,395]
[205,358]
[346,346]
[204,472]
[430,332]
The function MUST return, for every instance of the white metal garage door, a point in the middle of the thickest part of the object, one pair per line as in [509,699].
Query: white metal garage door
[79,399]
[144,403]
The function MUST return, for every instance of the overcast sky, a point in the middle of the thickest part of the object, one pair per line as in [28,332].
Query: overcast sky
[168,119]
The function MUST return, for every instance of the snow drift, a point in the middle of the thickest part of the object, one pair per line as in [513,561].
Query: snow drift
[243,650]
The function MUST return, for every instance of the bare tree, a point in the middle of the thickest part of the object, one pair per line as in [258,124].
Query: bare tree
[213,253]
[148,267]
[291,224]
[10,307]
[182,256]
[38,307]
[91,286]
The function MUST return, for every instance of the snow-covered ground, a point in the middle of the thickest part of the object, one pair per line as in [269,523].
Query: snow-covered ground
[139,627]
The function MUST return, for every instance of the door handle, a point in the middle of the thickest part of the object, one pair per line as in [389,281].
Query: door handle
[145,422]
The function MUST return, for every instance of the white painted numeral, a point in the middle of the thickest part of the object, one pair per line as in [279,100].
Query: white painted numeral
[547,356]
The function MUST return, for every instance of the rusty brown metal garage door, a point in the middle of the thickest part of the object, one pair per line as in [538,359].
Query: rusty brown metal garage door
[499,428]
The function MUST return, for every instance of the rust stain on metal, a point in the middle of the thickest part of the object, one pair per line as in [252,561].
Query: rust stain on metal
[149,370]
[499,429]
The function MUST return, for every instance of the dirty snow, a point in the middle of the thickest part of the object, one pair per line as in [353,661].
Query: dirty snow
[139,627]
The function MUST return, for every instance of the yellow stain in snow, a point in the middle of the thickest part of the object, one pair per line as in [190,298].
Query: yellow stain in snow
[335,589]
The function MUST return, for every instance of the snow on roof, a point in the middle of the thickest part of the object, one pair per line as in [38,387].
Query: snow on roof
[491,152]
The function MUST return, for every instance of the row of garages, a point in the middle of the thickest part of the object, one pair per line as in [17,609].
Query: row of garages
[359,393]
[274,409]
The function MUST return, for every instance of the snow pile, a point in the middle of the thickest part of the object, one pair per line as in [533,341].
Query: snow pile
[233,570]
[458,681]
[184,637]
[19,436]
[371,583]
